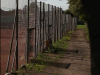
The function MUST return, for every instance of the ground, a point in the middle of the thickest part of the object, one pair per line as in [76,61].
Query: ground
[75,60]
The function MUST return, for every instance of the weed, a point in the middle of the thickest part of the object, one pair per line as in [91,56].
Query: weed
[20,72]
[29,66]
[39,67]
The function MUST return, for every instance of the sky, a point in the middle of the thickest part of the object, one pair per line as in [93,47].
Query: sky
[11,4]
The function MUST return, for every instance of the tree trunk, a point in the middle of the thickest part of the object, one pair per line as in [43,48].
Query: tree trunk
[93,21]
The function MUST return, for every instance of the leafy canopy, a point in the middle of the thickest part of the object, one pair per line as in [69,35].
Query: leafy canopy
[76,7]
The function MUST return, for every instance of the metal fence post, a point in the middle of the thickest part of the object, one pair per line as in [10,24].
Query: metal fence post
[48,23]
[65,23]
[28,33]
[43,25]
[0,37]
[55,26]
[52,25]
[57,23]
[35,53]
[40,30]
[16,34]
[60,24]
[69,23]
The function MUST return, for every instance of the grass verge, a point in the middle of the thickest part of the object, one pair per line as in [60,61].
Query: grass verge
[81,26]
[86,29]
[43,60]
[87,33]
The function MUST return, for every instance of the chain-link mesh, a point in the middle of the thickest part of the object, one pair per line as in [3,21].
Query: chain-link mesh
[39,25]
[8,11]
[32,28]
[22,31]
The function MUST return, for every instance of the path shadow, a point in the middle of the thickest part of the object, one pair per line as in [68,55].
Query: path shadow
[53,63]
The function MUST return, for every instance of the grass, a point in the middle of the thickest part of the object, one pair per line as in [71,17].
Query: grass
[60,45]
[43,60]
[87,33]
[86,29]
[63,43]
[81,26]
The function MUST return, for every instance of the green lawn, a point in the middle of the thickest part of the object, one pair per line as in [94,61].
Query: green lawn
[80,26]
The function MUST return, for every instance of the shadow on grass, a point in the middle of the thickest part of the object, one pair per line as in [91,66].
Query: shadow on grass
[52,63]
[54,50]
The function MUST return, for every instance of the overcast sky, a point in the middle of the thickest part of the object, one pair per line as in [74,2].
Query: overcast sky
[10,4]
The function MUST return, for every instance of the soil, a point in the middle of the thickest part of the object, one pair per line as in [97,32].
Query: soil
[76,58]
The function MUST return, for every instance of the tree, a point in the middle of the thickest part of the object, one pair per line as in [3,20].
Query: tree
[76,7]
[68,12]
[90,10]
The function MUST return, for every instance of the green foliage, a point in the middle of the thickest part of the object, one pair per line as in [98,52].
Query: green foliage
[68,12]
[20,72]
[39,67]
[29,66]
[76,7]
[62,44]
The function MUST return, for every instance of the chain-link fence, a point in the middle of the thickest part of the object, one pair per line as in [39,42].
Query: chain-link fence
[27,28]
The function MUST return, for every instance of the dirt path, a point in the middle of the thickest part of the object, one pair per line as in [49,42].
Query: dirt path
[76,59]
